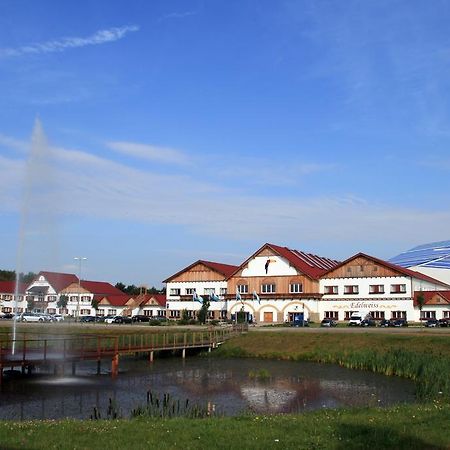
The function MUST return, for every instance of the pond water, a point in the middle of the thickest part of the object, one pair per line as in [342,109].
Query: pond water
[230,386]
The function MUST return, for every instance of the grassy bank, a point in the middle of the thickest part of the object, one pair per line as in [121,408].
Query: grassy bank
[422,358]
[412,427]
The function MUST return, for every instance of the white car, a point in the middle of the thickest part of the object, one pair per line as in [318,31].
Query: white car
[32,317]
[110,319]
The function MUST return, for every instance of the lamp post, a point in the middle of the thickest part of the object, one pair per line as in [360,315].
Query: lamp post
[79,259]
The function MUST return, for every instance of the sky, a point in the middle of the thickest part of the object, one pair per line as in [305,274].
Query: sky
[144,136]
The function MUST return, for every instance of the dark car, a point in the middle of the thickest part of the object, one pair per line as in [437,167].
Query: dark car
[300,323]
[444,322]
[328,323]
[87,319]
[122,319]
[141,318]
[386,323]
[431,323]
[400,323]
[7,316]
[368,323]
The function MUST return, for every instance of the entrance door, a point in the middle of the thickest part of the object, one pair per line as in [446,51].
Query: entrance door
[268,316]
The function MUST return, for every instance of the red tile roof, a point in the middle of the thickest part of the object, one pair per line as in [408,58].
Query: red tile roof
[428,295]
[9,287]
[309,264]
[100,287]
[58,281]
[402,270]
[224,269]
[114,300]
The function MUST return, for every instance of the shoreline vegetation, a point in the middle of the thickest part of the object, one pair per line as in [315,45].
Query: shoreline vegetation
[424,425]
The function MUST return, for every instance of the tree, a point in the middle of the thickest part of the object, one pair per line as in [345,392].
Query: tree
[203,313]
[420,302]
[62,301]
[120,286]
[30,302]
[7,275]
[94,303]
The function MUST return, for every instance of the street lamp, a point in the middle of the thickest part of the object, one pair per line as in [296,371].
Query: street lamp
[79,259]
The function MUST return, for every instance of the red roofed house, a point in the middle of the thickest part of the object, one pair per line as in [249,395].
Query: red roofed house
[436,304]
[278,284]
[374,287]
[202,278]
[151,305]
[7,296]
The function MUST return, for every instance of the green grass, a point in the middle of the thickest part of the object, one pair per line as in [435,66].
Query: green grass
[410,427]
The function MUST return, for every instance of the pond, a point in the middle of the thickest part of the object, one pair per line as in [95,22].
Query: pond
[227,386]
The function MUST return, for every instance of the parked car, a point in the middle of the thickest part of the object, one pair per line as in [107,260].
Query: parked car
[88,319]
[109,319]
[368,323]
[121,319]
[300,323]
[328,323]
[400,323]
[355,320]
[444,322]
[386,323]
[32,317]
[57,317]
[141,318]
[7,316]
[431,323]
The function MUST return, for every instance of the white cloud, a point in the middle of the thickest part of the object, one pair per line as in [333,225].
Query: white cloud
[62,44]
[149,152]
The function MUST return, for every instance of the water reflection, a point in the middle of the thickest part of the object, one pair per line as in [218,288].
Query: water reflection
[228,386]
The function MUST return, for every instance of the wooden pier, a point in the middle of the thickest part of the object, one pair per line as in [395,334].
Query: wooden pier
[57,351]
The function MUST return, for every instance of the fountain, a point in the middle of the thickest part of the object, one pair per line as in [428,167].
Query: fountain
[36,225]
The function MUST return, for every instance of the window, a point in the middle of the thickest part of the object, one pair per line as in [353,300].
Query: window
[175,291]
[331,289]
[148,312]
[161,313]
[210,314]
[376,289]
[351,289]
[223,314]
[7,297]
[100,312]
[174,313]
[41,298]
[348,314]
[446,315]
[51,310]
[190,291]
[73,298]
[398,288]
[377,315]
[223,291]
[242,288]
[20,298]
[268,288]
[112,312]
[399,314]
[5,309]
[332,315]
[427,315]
[210,291]
[295,288]
[85,312]
[51,298]
[85,298]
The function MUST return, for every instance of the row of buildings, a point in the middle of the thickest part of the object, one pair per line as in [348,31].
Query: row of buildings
[275,284]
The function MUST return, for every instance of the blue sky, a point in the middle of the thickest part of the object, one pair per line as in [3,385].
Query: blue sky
[185,130]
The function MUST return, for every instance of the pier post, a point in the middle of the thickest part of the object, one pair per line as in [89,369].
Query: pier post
[150,357]
[115,365]
[99,366]
[183,353]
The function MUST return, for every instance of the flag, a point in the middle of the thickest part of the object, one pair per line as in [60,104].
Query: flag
[197,298]
[213,297]
[238,296]
[256,297]
[266,266]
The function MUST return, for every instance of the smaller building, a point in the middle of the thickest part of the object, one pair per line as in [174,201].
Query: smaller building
[436,304]
[8,296]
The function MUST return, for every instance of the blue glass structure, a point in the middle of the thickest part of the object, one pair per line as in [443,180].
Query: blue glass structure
[435,254]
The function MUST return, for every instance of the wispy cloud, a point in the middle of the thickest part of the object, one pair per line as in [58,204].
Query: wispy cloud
[149,152]
[65,43]
[177,15]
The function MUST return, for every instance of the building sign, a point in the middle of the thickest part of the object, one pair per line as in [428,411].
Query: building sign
[366,305]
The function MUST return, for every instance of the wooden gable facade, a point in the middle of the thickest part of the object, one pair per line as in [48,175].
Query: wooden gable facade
[361,266]
[281,281]
[197,272]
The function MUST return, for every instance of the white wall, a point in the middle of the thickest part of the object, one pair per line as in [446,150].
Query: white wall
[277,267]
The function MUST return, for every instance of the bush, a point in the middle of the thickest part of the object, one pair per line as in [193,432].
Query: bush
[214,322]
[154,323]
